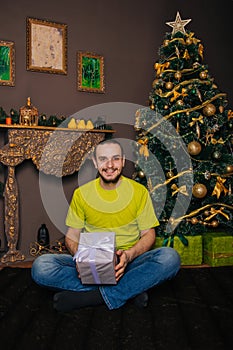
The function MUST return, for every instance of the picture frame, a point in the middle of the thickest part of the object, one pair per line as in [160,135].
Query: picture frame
[90,72]
[7,63]
[46,46]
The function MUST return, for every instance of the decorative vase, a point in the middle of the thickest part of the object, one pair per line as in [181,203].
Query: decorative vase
[43,236]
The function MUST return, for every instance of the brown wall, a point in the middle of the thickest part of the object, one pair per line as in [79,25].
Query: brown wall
[128,34]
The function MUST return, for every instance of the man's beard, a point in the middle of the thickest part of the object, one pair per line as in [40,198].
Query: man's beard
[113,181]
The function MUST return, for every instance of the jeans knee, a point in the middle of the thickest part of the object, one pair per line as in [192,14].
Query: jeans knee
[171,257]
[35,268]
[38,267]
[174,256]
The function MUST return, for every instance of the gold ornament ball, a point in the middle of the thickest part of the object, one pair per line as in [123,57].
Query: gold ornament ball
[194,221]
[152,106]
[203,75]
[230,124]
[216,155]
[166,107]
[194,148]
[209,109]
[206,213]
[207,175]
[170,174]
[180,103]
[178,75]
[155,82]
[229,169]
[141,174]
[199,190]
[196,65]
[169,85]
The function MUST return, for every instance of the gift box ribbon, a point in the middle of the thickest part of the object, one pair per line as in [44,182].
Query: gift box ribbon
[93,266]
[218,255]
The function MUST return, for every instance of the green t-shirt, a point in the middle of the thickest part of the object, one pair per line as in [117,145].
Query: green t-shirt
[126,210]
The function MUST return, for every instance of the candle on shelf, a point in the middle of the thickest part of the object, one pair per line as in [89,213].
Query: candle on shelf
[8,121]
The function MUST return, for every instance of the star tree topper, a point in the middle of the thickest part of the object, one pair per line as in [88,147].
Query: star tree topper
[178,25]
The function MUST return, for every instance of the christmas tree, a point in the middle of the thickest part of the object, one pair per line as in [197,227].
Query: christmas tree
[184,141]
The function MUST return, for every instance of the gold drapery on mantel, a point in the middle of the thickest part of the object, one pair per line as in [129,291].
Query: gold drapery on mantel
[54,151]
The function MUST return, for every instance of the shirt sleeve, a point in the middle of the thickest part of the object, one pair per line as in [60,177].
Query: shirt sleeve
[146,215]
[75,217]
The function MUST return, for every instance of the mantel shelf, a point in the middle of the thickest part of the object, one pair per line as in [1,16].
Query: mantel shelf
[53,128]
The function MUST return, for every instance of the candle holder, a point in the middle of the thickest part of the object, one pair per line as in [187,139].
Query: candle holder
[28,114]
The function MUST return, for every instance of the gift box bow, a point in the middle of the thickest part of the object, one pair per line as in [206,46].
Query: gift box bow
[169,240]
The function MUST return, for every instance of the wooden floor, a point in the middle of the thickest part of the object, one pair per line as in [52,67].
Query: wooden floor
[193,311]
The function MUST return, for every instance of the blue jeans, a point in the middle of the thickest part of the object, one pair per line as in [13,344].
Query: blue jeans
[58,271]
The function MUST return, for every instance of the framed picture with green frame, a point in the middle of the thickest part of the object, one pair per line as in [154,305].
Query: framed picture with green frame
[7,63]
[90,72]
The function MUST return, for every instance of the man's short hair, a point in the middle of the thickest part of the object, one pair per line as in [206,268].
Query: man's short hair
[109,141]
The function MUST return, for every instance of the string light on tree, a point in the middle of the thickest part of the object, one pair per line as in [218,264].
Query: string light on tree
[203,75]
[169,85]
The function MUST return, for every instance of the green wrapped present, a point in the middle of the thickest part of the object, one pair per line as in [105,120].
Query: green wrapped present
[218,249]
[190,254]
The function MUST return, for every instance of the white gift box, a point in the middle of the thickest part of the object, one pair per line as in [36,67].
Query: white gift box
[96,257]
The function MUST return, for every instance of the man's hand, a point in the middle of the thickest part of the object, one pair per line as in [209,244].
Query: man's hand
[123,260]
[144,244]
[78,270]
[72,239]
